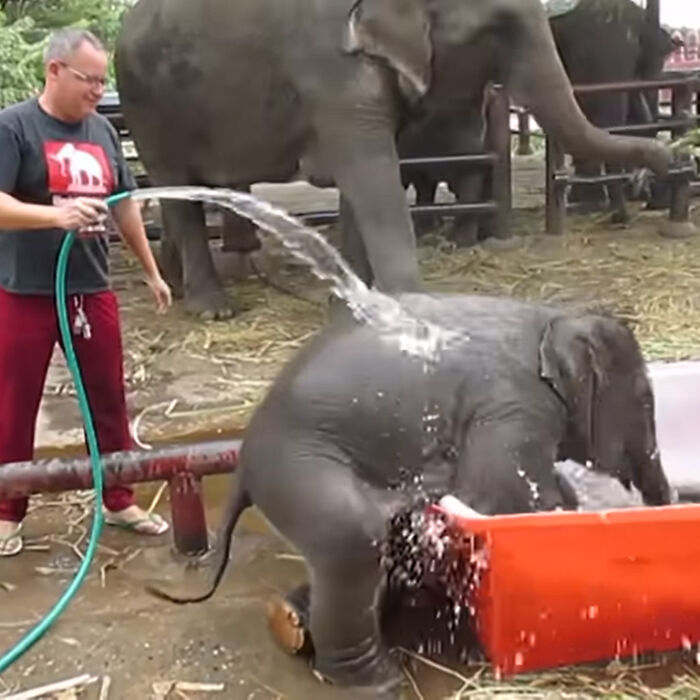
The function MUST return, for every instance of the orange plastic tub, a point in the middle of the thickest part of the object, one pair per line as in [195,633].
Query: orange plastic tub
[567,588]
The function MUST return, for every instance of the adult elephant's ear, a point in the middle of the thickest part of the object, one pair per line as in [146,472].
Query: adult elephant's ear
[397,31]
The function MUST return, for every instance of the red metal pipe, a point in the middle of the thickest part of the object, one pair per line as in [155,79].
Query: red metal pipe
[131,467]
[188,515]
[181,465]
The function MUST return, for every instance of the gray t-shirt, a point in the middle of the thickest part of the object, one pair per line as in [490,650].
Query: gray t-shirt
[43,160]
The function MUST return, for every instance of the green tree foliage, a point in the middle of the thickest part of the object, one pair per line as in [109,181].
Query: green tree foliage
[25,26]
[21,65]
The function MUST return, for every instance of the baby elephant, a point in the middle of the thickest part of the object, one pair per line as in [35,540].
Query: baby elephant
[352,429]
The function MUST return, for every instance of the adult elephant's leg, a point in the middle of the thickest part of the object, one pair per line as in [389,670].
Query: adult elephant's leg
[618,114]
[238,233]
[660,196]
[203,292]
[366,169]
[426,189]
[618,200]
[467,189]
[170,261]
[591,197]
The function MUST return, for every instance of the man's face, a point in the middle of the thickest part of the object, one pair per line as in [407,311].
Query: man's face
[77,82]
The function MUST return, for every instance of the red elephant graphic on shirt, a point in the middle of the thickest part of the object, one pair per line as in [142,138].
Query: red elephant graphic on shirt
[76,168]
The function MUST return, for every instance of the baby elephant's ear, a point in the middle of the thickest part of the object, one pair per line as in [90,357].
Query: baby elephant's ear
[397,31]
[569,364]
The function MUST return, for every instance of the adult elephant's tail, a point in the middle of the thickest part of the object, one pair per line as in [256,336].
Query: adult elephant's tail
[238,502]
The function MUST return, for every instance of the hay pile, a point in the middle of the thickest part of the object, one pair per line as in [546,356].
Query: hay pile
[652,282]
[615,681]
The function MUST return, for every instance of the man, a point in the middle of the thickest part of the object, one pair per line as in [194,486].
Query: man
[58,161]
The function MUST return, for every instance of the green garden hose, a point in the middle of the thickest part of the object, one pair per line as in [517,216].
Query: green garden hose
[95,460]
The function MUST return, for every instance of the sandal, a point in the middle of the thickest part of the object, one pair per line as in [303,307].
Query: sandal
[151,524]
[12,544]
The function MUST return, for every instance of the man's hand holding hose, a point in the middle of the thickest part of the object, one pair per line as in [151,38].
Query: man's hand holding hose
[80,212]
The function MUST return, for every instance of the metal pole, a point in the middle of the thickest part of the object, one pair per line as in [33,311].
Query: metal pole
[653,30]
[130,467]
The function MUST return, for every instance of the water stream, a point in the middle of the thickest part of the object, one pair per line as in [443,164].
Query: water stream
[415,336]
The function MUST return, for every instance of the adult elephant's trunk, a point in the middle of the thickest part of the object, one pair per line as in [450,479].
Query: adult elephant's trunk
[538,81]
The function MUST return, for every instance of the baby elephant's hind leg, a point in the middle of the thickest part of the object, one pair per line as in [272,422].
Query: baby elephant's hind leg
[334,521]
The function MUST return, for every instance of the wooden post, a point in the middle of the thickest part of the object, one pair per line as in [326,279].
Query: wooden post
[555,191]
[653,30]
[498,139]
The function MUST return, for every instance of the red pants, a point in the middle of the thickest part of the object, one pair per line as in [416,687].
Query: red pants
[28,335]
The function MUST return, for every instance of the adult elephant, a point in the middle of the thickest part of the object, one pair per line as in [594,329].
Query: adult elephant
[607,41]
[446,133]
[230,93]
[330,457]
[598,41]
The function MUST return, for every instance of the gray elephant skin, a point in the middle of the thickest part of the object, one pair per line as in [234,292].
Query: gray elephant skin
[603,41]
[234,92]
[441,134]
[598,41]
[331,454]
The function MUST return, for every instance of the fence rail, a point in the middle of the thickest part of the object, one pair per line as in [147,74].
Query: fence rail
[683,91]
[496,162]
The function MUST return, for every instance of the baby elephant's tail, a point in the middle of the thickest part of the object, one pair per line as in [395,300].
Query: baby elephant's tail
[238,502]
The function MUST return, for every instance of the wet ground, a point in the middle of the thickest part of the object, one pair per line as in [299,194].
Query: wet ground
[188,377]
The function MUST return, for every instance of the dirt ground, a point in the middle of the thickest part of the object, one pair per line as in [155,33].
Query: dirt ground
[188,377]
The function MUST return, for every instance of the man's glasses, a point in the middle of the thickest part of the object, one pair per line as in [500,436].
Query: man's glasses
[92,80]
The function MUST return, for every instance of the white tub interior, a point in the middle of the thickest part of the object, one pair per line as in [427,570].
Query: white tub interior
[677,397]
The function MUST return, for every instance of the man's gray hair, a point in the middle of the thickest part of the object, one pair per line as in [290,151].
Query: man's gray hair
[65,41]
